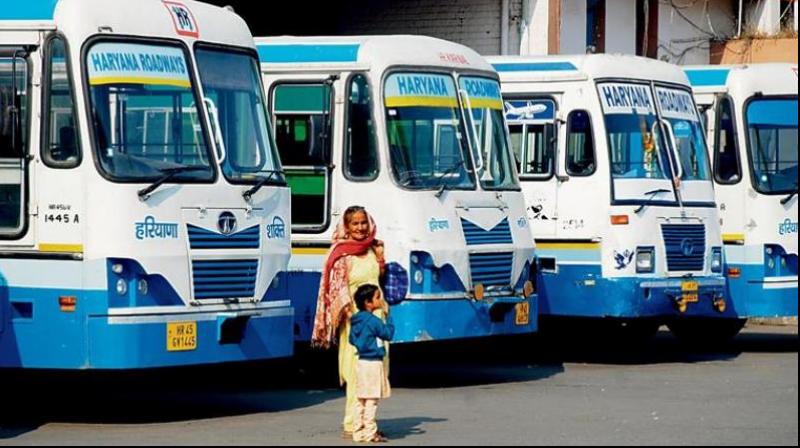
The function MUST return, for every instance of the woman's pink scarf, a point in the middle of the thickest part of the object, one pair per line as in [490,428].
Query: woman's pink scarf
[334,289]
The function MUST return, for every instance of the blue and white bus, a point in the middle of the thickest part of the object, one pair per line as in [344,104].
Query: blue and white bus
[614,168]
[751,116]
[130,132]
[412,128]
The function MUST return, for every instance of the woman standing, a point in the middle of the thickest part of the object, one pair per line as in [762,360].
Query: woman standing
[355,259]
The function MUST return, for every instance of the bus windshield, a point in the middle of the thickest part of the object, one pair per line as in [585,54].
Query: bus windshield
[144,113]
[637,151]
[233,92]
[492,154]
[772,140]
[678,109]
[427,146]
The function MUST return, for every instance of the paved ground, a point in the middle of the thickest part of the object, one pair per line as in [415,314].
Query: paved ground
[532,390]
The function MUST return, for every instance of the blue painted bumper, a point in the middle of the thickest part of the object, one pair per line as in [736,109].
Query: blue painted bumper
[421,320]
[581,291]
[89,338]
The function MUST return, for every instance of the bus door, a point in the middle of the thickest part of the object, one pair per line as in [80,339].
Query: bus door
[534,130]
[303,119]
[16,222]
[727,166]
[575,171]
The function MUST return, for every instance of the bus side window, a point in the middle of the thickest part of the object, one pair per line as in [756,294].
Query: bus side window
[13,141]
[302,133]
[534,149]
[60,147]
[580,144]
[515,131]
[361,153]
[727,167]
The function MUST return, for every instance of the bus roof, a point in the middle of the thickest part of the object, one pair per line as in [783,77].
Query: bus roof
[365,52]
[523,69]
[767,78]
[81,19]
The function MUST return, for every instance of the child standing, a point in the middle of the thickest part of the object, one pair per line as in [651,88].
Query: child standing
[367,335]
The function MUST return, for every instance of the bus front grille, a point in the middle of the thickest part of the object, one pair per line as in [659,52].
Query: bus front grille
[475,236]
[224,279]
[492,269]
[686,246]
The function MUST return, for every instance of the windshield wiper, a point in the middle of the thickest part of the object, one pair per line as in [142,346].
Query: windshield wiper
[441,186]
[167,175]
[247,195]
[791,196]
[650,196]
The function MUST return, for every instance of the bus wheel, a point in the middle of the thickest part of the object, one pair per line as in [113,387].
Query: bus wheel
[706,331]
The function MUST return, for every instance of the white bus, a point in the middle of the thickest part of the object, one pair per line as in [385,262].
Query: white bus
[129,135]
[618,186]
[751,116]
[412,128]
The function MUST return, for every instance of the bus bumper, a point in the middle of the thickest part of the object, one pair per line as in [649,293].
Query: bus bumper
[134,338]
[581,291]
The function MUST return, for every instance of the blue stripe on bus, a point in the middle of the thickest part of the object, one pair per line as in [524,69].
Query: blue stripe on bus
[708,78]
[536,67]
[750,299]
[27,10]
[294,53]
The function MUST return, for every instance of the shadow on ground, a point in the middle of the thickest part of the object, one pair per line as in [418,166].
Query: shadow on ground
[35,398]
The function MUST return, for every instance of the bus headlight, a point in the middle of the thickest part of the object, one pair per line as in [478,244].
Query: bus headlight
[428,278]
[122,287]
[716,260]
[645,260]
[143,287]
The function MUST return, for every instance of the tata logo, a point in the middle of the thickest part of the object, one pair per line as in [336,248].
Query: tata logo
[226,224]
[182,19]
[687,247]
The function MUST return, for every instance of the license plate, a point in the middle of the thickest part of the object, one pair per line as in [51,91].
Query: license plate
[523,314]
[181,336]
[690,292]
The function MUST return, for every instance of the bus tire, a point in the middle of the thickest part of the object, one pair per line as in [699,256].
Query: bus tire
[706,331]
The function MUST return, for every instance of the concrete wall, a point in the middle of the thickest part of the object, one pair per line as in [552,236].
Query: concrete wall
[534,27]
[573,27]
[685,35]
[475,23]
[621,26]
[745,51]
